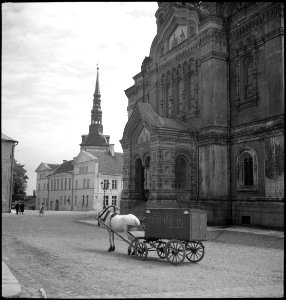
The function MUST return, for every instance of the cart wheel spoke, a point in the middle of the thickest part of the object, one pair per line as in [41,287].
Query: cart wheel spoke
[195,251]
[141,250]
[161,249]
[175,251]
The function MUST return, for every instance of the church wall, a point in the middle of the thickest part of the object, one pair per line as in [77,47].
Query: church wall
[213,108]
[213,170]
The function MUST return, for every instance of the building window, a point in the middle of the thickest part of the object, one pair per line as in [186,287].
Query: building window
[51,185]
[44,186]
[69,183]
[181,173]
[114,200]
[247,170]
[65,200]
[114,184]
[58,184]
[87,183]
[83,201]
[65,183]
[39,187]
[86,169]
[86,200]
[62,181]
[75,200]
[61,200]
[83,183]
[76,184]
[47,186]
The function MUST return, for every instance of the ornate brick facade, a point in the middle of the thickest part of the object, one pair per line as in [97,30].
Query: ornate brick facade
[206,114]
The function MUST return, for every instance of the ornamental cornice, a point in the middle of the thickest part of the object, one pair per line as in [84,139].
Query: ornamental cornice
[211,36]
[259,127]
[255,22]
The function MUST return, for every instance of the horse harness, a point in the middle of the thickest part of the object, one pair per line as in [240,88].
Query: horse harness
[107,214]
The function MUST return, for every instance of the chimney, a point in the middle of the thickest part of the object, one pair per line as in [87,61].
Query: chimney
[111,149]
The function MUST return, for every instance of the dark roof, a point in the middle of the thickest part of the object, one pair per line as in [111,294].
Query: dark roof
[108,164]
[53,166]
[94,139]
[6,138]
[65,167]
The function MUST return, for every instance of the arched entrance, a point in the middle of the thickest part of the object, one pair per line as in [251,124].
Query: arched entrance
[139,177]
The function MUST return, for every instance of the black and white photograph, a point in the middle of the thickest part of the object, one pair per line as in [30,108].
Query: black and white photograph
[142,150]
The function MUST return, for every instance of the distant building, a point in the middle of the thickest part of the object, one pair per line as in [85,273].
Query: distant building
[206,114]
[77,184]
[7,156]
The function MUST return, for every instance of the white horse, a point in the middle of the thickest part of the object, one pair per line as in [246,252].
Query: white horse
[119,224]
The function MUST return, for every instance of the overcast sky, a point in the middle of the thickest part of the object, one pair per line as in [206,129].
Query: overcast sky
[49,57]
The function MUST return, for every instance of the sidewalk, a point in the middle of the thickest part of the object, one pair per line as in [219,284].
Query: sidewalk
[10,285]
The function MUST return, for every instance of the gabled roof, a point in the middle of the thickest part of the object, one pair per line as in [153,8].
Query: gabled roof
[65,167]
[144,112]
[7,138]
[108,164]
[46,166]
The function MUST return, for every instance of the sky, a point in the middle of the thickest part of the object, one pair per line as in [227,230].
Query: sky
[50,53]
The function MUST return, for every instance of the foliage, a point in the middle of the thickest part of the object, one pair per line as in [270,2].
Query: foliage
[19,181]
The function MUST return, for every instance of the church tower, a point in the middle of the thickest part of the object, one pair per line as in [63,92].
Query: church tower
[95,139]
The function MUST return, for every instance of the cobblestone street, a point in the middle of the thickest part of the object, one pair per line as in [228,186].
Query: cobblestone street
[69,259]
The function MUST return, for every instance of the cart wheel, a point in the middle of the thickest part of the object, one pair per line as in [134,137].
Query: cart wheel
[175,251]
[161,249]
[195,251]
[141,250]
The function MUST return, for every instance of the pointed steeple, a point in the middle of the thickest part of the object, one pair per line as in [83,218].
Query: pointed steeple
[96,113]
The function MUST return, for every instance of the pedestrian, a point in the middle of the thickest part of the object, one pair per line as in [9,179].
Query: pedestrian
[22,207]
[41,211]
[17,206]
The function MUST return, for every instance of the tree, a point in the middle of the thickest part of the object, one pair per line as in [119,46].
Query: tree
[19,181]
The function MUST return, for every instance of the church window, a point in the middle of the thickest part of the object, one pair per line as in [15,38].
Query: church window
[247,171]
[181,173]
[180,96]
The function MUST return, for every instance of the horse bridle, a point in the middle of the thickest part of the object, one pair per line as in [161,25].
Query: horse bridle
[107,214]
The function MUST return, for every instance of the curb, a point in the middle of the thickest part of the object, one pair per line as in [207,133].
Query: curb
[10,285]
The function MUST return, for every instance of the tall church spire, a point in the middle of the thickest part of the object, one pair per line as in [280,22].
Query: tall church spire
[95,139]
[96,113]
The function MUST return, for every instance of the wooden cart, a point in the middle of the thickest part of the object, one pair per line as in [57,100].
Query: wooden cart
[173,233]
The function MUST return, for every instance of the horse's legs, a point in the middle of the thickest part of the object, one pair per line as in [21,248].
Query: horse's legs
[110,243]
[112,238]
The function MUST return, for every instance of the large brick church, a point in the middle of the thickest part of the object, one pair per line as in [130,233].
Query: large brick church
[206,114]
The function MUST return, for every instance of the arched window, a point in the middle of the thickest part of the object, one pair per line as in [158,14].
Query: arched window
[247,170]
[181,173]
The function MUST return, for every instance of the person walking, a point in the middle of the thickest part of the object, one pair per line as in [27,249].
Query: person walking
[22,207]
[17,206]
[41,210]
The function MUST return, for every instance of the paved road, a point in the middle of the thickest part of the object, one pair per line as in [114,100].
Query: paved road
[68,259]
